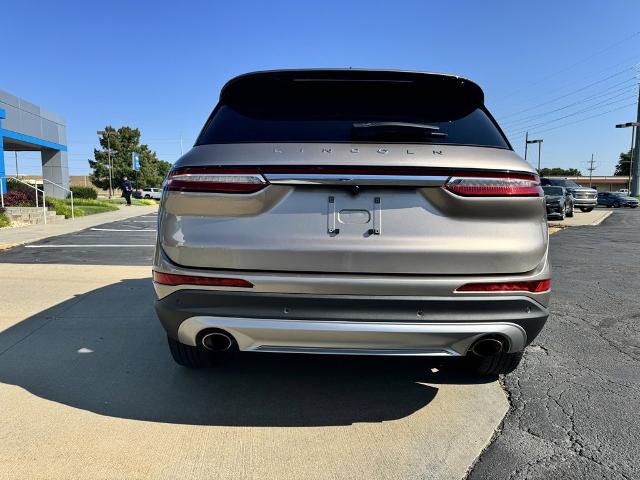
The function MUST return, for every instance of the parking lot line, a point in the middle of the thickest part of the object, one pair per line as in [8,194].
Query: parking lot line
[87,246]
[123,230]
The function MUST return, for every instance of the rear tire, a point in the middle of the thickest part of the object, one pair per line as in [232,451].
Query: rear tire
[570,212]
[616,204]
[191,357]
[499,364]
[586,209]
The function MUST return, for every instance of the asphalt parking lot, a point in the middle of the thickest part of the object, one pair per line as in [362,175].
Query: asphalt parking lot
[88,389]
[575,398]
[125,242]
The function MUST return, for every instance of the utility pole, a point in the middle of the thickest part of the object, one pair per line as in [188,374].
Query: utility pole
[539,142]
[635,156]
[633,149]
[526,145]
[16,154]
[539,149]
[591,169]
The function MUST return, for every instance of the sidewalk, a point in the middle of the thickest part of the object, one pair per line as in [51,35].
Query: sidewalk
[594,217]
[10,237]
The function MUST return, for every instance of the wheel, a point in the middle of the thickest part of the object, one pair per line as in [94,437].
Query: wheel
[586,209]
[570,212]
[498,364]
[616,205]
[562,215]
[192,357]
[147,196]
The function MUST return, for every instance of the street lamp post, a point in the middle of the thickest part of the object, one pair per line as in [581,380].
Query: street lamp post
[539,142]
[634,127]
[108,135]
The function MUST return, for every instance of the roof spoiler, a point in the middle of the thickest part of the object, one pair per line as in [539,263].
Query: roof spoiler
[435,84]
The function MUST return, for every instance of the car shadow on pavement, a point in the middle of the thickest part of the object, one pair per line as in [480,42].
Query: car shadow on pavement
[105,352]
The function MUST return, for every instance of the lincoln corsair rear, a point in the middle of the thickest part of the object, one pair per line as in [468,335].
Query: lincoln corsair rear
[353,212]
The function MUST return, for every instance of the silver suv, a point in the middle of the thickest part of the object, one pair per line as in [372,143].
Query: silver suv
[352,212]
[584,198]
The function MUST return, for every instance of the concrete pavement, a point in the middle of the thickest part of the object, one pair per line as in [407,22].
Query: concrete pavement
[594,217]
[10,237]
[88,390]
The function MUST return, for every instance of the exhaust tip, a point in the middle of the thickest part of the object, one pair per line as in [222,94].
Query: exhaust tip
[485,347]
[217,341]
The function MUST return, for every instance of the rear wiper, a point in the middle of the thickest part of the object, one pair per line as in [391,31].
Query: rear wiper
[430,130]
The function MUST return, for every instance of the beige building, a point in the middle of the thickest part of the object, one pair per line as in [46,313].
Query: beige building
[603,184]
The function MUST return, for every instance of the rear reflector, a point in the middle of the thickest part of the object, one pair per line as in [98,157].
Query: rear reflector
[215,180]
[507,185]
[173,279]
[535,286]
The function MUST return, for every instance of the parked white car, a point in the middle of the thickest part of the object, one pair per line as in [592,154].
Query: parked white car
[624,190]
[154,193]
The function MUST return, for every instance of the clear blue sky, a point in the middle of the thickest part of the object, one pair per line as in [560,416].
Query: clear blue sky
[159,65]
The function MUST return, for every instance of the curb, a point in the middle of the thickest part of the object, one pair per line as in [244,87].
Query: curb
[600,220]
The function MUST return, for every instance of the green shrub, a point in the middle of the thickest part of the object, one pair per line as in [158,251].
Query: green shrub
[143,201]
[88,201]
[92,206]
[82,206]
[84,192]
[134,201]
[61,207]
[4,220]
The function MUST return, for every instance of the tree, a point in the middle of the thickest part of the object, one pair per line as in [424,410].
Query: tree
[624,164]
[123,142]
[559,172]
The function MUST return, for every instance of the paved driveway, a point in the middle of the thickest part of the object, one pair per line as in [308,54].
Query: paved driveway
[88,389]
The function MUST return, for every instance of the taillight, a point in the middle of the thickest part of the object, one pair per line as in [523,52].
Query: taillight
[216,180]
[533,286]
[476,184]
[174,279]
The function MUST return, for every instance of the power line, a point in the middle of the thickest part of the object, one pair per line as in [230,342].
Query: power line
[595,106]
[582,100]
[579,62]
[573,92]
[521,134]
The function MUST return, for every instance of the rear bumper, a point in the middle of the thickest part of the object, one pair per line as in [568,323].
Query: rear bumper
[345,324]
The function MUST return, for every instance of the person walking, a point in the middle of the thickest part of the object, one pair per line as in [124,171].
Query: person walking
[126,190]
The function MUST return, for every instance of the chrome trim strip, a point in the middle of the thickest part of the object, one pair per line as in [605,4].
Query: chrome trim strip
[219,177]
[372,338]
[349,179]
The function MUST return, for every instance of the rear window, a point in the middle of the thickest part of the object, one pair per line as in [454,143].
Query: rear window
[341,112]
[560,182]
[552,190]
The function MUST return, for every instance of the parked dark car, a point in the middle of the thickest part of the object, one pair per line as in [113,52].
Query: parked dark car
[616,200]
[584,198]
[559,202]
[137,194]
